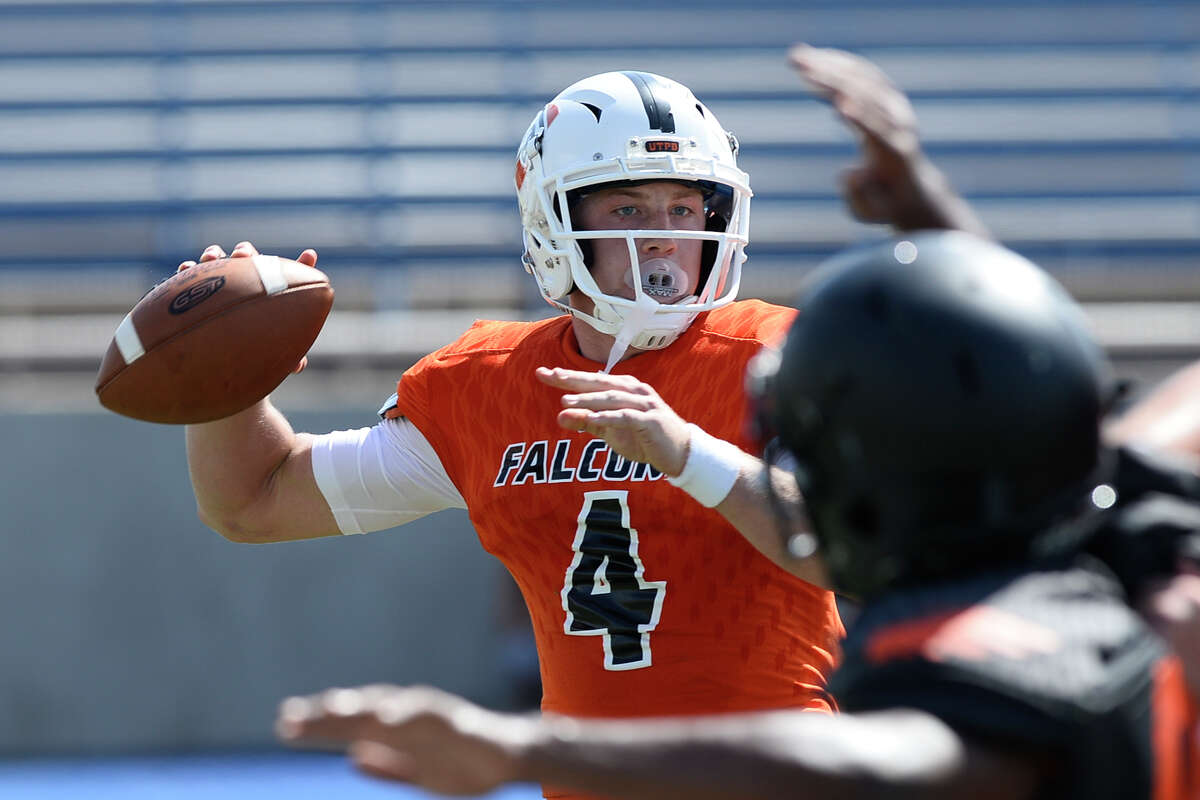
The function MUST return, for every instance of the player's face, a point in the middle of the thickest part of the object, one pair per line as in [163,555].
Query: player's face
[656,205]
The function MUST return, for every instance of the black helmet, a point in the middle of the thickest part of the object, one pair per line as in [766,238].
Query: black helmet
[942,398]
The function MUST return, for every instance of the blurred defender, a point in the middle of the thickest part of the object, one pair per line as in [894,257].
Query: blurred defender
[941,400]
[969,510]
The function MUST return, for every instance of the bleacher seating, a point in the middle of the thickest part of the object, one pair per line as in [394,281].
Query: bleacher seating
[382,133]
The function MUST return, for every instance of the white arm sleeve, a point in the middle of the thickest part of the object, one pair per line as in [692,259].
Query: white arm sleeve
[381,477]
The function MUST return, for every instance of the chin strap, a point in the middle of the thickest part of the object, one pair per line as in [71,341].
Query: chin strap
[635,321]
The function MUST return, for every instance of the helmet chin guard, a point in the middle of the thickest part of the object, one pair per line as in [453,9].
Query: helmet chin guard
[621,127]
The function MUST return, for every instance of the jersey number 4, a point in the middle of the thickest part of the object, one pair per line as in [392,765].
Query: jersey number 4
[605,593]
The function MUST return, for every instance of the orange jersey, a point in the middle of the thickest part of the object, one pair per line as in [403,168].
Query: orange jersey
[643,601]
[1175,737]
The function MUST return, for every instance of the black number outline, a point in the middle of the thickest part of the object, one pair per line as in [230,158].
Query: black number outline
[574,627]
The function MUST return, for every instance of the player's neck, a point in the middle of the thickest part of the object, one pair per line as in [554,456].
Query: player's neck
[594,345]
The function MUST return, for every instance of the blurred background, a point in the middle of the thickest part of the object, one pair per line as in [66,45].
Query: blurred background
[140,653]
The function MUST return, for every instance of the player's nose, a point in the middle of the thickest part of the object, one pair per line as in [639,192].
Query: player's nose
[657,247]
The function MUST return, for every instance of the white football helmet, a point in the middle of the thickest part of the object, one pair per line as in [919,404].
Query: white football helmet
[620,127]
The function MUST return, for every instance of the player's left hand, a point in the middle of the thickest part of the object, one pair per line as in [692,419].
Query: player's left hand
[416,735]
[625,412]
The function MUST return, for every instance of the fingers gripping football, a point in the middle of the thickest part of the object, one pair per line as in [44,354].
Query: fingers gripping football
[245,249]
[216,337]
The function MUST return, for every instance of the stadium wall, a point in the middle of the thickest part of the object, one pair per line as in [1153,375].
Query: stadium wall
[130,627]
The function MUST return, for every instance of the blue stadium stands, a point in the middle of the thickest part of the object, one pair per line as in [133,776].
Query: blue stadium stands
[131,133]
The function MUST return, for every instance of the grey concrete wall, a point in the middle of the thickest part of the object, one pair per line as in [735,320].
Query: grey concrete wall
[126,625]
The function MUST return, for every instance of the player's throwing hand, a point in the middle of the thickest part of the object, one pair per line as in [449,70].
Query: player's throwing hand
[242,250]
[215,252]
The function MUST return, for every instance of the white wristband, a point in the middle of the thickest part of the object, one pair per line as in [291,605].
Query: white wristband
[711,469]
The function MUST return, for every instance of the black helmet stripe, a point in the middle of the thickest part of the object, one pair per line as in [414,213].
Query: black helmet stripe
[658,108]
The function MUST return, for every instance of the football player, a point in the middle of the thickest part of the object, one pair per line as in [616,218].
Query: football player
[637,539]
[644,600]
[940,402]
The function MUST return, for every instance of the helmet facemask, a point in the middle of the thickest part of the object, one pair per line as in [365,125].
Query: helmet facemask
[575,147]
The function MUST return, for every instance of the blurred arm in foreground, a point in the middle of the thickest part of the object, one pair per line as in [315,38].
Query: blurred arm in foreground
[894,183]
[1167,419]
[445,744]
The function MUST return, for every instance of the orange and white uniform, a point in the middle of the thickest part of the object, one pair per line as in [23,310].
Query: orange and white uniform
[643,601]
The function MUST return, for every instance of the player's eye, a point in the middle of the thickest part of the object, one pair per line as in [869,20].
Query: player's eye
[683,211]
[625,211]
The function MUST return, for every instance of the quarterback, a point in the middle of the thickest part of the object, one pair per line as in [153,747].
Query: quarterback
[623,534]
[638,529]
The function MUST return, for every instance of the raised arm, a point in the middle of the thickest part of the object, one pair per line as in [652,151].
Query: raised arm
[1167,419]
[251,473]
[640,426]
[253,480]
[894,183]
[443,743]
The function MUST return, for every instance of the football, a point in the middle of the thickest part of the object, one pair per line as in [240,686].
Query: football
[214,339]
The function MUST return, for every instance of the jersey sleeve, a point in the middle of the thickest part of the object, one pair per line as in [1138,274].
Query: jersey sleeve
[442,393]
[380,477]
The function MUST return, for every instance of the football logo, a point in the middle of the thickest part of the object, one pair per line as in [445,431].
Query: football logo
[196,294]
